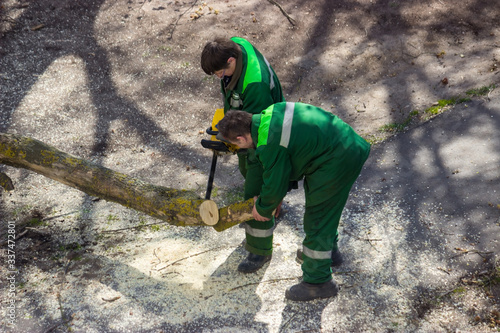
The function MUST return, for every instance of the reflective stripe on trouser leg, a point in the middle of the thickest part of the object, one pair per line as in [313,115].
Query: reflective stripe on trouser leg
[321,222]
[259,237]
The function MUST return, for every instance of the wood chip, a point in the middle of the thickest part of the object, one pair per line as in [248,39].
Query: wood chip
[37,27]
[112,299]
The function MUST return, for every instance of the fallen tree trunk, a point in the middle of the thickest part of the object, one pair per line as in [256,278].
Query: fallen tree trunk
[177,207]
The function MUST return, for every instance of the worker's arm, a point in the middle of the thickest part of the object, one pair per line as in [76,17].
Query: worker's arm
[253,176]
[275,178]
[257,97]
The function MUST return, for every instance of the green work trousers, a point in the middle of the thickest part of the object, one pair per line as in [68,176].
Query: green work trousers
[326,192]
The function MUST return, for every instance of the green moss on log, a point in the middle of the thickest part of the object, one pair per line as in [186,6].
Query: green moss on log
[234,214]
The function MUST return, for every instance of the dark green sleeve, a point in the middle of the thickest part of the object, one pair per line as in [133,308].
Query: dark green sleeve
[275,178]
[253,176]
[257,97]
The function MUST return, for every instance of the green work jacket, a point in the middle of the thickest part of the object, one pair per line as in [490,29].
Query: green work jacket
[254,85]
[295,140]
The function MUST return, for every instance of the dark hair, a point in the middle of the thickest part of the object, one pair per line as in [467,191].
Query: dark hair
[235,123]
[215,54]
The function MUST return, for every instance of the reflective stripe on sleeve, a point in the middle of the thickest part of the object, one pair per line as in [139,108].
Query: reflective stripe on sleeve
[265,123]
[271,75]
[313,254]
[287,124]
[259,233]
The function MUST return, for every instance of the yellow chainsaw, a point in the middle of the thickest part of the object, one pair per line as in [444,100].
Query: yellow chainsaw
[218,147]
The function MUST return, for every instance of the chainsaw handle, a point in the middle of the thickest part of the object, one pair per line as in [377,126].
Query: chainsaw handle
[214,145]
[211,131]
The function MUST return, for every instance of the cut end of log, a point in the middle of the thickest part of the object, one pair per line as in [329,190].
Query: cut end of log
[209,212]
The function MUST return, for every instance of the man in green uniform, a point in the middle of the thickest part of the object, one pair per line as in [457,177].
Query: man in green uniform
[248,82]
[295,141]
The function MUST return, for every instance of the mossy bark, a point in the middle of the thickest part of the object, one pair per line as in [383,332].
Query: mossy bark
[177,207]
[234,214]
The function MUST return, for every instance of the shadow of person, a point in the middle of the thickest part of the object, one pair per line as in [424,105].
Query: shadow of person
[303,316]
[235,296]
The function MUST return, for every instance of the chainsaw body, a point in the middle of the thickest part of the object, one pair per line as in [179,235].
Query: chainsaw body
[215,144]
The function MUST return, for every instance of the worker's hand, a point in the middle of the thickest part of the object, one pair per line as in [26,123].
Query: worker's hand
[256,214]
[277,211]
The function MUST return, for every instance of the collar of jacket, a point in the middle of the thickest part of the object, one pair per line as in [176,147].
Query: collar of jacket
[237,72]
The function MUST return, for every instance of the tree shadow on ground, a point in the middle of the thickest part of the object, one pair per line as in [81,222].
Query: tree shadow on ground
[442,176]
[423,191]
[68,29]
[75,35]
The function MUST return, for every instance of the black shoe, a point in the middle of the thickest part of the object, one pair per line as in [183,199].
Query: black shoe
[337,259]
[308,291]
[252,263]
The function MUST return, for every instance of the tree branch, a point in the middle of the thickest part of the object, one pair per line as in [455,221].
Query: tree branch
[291,20]
[177,207]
